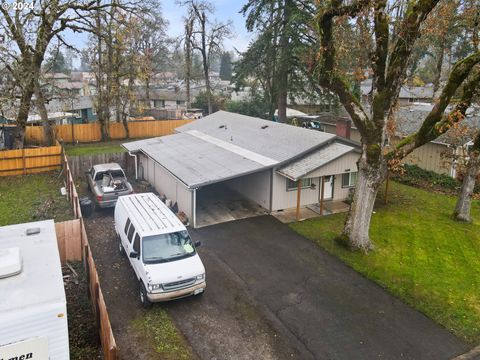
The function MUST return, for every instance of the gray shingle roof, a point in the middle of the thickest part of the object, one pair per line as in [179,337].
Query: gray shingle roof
[194,161]
[224,145]
[315,160]
[277,141]
[408,119]
[406,92]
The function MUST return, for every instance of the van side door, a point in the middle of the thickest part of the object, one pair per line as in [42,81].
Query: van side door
[129,237]
[124,233]
[136,262]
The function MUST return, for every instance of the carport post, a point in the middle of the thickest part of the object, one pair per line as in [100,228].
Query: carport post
[299,190]
[194,208]
[322,194]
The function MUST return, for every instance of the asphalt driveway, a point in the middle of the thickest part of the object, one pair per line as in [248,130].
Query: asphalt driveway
[319,307]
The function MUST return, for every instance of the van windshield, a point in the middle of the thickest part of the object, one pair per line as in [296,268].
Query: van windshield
[167,247]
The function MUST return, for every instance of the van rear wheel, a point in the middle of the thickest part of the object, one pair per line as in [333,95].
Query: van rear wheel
[143,297]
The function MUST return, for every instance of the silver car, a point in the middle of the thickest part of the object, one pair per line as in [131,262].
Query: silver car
[107,182]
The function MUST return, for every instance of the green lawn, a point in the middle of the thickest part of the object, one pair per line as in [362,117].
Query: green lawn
[95,148]
[32,198]
[157,326]
[422,255]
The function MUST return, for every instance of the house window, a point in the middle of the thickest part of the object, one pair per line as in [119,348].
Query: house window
[349,179]
[158,103]
[292,185]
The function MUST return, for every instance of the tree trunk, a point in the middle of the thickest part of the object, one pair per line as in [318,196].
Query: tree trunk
[284,65]
[206,65]
[48,134]
[437,81]
[147,90]
[188,58]
[355,233]
[22,116]
[464,201]
[282,106]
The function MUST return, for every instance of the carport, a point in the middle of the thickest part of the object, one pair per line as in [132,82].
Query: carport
[211,181]
[218,203]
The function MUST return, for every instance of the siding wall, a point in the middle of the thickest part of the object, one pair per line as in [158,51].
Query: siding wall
[165,183]
[431,157]
[283,199]
[339,193]
[255,187]
[428,156]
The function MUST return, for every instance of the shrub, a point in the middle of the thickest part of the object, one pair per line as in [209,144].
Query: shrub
[417,176]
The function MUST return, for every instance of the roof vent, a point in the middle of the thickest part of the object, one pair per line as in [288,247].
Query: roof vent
[10,262]
[32,231]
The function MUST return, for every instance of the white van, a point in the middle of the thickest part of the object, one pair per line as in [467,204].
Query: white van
[159,248]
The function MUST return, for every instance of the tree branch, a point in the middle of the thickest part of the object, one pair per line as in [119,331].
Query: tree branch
[437,123]
[327,77]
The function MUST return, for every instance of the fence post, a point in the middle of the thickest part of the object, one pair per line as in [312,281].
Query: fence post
[24,162]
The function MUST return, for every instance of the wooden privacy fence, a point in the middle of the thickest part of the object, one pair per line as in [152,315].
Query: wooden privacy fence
[72,133]
[69,240]
[80,164]
[104,326]
[29,161]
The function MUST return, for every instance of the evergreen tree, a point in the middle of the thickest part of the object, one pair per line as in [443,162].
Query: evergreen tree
[226,66]
[274,58]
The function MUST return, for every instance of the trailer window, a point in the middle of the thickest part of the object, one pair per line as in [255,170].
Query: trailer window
[127,225]
[130,233]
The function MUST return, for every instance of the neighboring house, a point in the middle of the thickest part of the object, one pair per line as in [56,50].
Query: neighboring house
[82,107]
[165,99]
[74,88]
[444,153]
[276,166]
[57,78]
[340,125]
[441,155]
[407,95]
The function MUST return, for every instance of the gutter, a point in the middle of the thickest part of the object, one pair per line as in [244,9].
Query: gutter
[136,164]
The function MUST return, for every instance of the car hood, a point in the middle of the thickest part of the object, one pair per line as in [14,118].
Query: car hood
[174,270]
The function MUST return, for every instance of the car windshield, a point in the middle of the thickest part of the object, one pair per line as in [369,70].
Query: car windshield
[167,247]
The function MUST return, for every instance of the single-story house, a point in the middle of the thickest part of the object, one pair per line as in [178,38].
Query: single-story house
[81,107]
[407,94]
[272,165]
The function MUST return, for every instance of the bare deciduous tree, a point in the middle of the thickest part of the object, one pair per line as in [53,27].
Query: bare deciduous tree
[207,38]
[30,32]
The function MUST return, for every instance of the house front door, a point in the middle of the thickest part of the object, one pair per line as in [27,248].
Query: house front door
[328,188]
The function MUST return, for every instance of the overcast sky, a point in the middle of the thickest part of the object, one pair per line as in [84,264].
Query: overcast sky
[225,10]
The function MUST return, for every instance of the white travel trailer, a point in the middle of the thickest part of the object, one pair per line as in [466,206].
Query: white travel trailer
[33,313]
[159,248]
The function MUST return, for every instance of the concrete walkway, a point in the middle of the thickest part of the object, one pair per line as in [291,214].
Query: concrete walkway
[316,303]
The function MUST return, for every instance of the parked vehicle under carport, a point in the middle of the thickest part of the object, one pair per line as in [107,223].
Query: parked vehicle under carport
[107,182]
